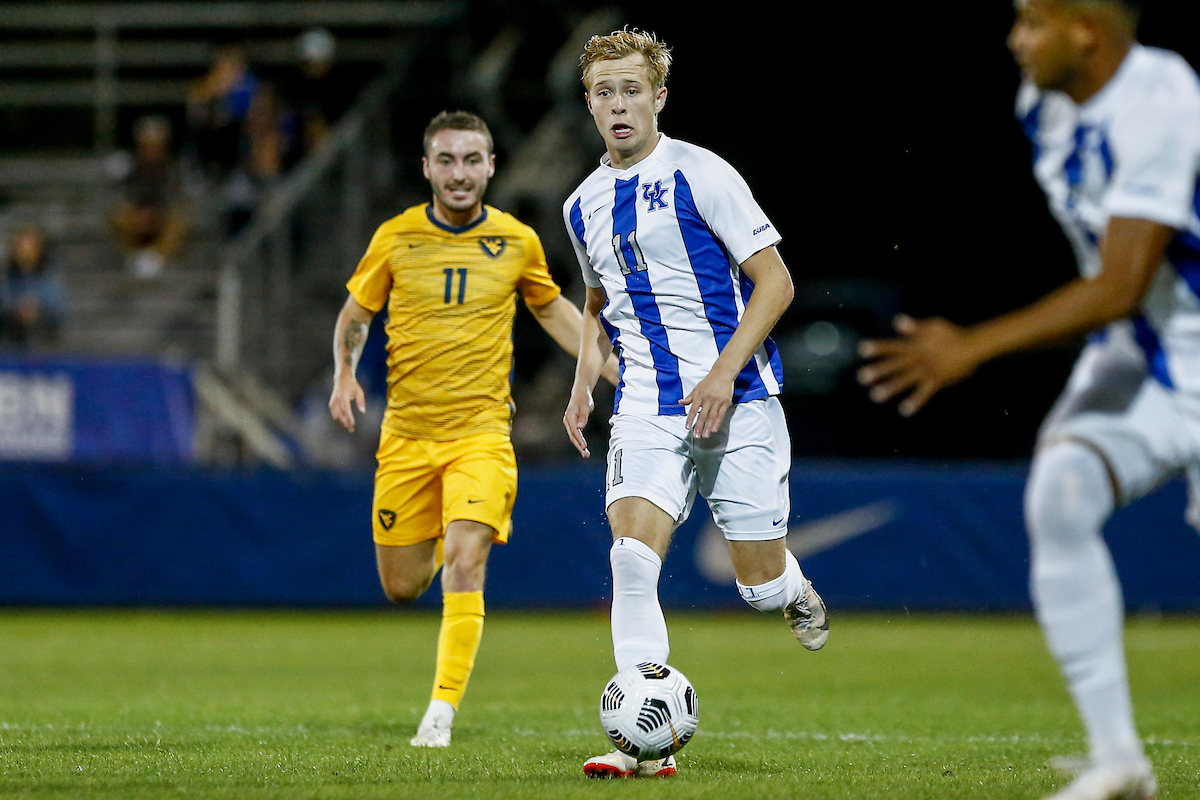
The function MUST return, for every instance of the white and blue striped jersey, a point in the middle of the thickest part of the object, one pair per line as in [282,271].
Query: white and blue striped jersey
[1132,150]
[664,239]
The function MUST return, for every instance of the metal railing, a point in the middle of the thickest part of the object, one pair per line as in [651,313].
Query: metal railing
[107,53]
[265,245]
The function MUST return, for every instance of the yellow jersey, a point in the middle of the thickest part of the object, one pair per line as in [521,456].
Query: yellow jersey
[450,296]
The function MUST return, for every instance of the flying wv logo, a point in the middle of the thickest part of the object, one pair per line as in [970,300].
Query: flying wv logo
[654,194]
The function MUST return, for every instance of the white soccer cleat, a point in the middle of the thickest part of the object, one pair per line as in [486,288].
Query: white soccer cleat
[618,765]
[658,768]
[610,765]
[431,736]
[808,619]
[1130,781]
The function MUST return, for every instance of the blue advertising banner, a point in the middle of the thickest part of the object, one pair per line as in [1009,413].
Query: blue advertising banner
[871,536]
[95,411]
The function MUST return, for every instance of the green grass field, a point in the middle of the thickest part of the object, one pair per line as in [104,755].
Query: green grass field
[321,705]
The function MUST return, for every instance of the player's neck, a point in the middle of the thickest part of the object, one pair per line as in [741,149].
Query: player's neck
[1098,71]
[622,161]
[456,219]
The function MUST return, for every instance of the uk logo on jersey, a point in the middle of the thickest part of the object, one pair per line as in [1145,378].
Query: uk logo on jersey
[653,194]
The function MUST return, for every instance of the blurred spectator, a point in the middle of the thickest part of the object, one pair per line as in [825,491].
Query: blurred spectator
[150,220]
[32,301]
[217,105]
[313,94]
[267,139]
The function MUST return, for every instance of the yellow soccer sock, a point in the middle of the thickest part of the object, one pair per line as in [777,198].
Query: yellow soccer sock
[458,642]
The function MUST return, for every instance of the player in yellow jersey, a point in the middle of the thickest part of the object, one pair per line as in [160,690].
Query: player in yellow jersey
[449,273]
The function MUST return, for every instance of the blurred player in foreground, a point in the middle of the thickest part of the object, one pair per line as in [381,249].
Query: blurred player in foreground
[1115,128]
[449,273]
[684,281]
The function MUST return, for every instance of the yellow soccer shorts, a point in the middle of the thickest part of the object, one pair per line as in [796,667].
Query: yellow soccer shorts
[421,486]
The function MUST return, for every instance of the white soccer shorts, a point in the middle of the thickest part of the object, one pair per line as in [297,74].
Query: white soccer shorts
[1147,432]
[741,470]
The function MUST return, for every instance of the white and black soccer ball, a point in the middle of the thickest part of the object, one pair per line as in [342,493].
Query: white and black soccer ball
[649,711]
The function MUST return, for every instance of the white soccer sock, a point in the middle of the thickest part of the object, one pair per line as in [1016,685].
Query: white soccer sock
[440,714]
[639,630]
[1076,592]
[777,594]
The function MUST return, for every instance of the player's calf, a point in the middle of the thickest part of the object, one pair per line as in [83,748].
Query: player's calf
[792,594]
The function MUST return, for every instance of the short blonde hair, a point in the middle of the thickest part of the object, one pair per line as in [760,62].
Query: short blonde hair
[627,42]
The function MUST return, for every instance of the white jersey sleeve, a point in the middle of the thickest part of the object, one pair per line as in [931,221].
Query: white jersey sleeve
[727,205]
[1156,152]
[590,278]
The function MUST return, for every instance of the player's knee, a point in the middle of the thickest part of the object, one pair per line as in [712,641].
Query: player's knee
[404,588]
[1069,495]
[466,565]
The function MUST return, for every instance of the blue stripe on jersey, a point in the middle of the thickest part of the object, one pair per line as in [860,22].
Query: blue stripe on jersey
[637,286]
[776,362]
[1073,166]
[1030,123]
[1184,251]
[577,222]
[612,337]
[710,264]
[1156,357]
[1110,164]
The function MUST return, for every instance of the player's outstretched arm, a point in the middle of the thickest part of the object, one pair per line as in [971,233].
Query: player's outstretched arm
[594,351]
[349,338]
[564,323]
[773,292]
[932,354]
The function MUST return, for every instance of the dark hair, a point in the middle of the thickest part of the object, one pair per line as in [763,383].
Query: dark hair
[458,121]
[1132,8]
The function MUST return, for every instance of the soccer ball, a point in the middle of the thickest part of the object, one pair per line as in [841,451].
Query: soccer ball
[649,711]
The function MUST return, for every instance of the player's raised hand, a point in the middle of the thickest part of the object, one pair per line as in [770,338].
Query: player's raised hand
[576,418]
[929,355]
[347,395]
[707,404]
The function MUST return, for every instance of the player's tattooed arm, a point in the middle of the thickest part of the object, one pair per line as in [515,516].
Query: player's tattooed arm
[931,354]
[349,339]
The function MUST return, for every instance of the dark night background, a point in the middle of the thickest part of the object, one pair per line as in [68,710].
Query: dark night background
[880,139]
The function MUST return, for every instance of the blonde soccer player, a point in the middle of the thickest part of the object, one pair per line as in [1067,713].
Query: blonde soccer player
[684,282]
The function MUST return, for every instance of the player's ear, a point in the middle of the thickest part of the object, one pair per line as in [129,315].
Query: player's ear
[425,167]
[587,98]
[491,165]
[660,100]
[1085,34]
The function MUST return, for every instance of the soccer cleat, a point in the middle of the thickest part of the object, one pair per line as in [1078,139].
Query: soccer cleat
[618,765]
[808,619]
[611,765]
[658,768]
[431,736]
[1129,781]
